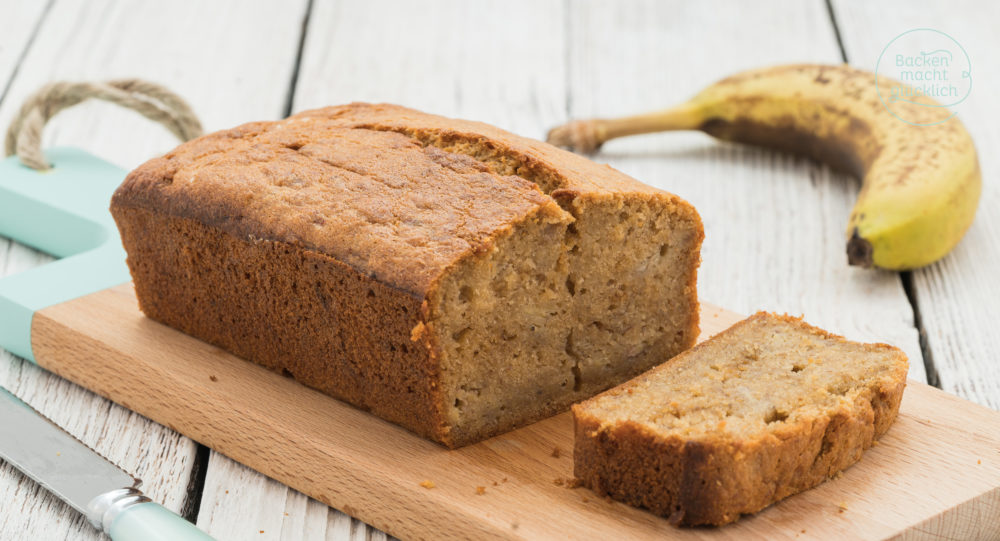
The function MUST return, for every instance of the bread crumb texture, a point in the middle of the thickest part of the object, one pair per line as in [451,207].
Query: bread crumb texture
[768,408]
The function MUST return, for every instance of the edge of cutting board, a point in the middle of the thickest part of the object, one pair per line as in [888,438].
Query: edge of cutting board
[935,473]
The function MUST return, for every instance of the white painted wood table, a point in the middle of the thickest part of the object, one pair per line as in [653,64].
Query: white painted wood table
[774,223]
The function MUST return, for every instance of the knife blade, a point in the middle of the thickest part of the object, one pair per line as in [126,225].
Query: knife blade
[107,495]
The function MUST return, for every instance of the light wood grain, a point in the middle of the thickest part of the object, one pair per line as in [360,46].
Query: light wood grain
[958,297]
[353,461]
[210,52]
[774,224]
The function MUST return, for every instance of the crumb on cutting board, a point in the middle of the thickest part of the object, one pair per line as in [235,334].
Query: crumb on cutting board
[572,482]
[480,490]
[842,506]
[427,483]
[556,453]
[213,378]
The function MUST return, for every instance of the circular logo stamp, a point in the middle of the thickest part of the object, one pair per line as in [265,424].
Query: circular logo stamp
[922,74]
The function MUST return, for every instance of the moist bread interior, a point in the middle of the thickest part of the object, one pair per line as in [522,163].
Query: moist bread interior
[754,378]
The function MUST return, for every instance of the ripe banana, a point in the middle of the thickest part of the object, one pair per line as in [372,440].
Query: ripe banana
[920,183]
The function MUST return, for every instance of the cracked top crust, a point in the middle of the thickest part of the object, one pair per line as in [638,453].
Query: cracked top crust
[397,194]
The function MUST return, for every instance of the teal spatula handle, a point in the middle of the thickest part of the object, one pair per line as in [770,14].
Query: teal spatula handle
[151,521]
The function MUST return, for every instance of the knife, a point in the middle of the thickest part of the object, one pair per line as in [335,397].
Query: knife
[108,496]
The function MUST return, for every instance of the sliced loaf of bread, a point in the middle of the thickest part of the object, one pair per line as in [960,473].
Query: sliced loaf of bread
[443,274]
[768,408]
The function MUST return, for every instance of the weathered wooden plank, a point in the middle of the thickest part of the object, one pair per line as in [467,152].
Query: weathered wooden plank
[774,223]
[500,62]
[211,53]
[958,297]
[239,503]
[17,26]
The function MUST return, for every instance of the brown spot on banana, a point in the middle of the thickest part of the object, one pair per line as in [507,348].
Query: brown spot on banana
[920,184]
[859,251]
[784,134]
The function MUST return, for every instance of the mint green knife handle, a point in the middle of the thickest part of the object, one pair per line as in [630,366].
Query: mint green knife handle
[151,521]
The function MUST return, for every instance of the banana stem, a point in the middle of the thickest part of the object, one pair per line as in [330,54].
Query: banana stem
[588,135]
[684,117]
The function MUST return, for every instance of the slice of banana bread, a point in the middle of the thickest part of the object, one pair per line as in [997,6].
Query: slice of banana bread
[446,275]
[768,408]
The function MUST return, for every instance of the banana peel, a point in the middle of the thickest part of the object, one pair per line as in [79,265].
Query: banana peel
[921,180]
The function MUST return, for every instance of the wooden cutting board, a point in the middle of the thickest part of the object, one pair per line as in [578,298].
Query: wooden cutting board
[936,474]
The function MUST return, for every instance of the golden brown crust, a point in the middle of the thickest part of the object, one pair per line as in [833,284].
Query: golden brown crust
[388,206]
[552,168]
[713,480]
[405,197]
[345,334]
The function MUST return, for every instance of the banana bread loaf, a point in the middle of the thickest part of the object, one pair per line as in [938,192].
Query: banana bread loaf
[768,408]
[445,275]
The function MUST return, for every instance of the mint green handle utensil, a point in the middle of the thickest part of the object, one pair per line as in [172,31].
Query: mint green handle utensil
[62,211]
[151,521]
[108,496]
